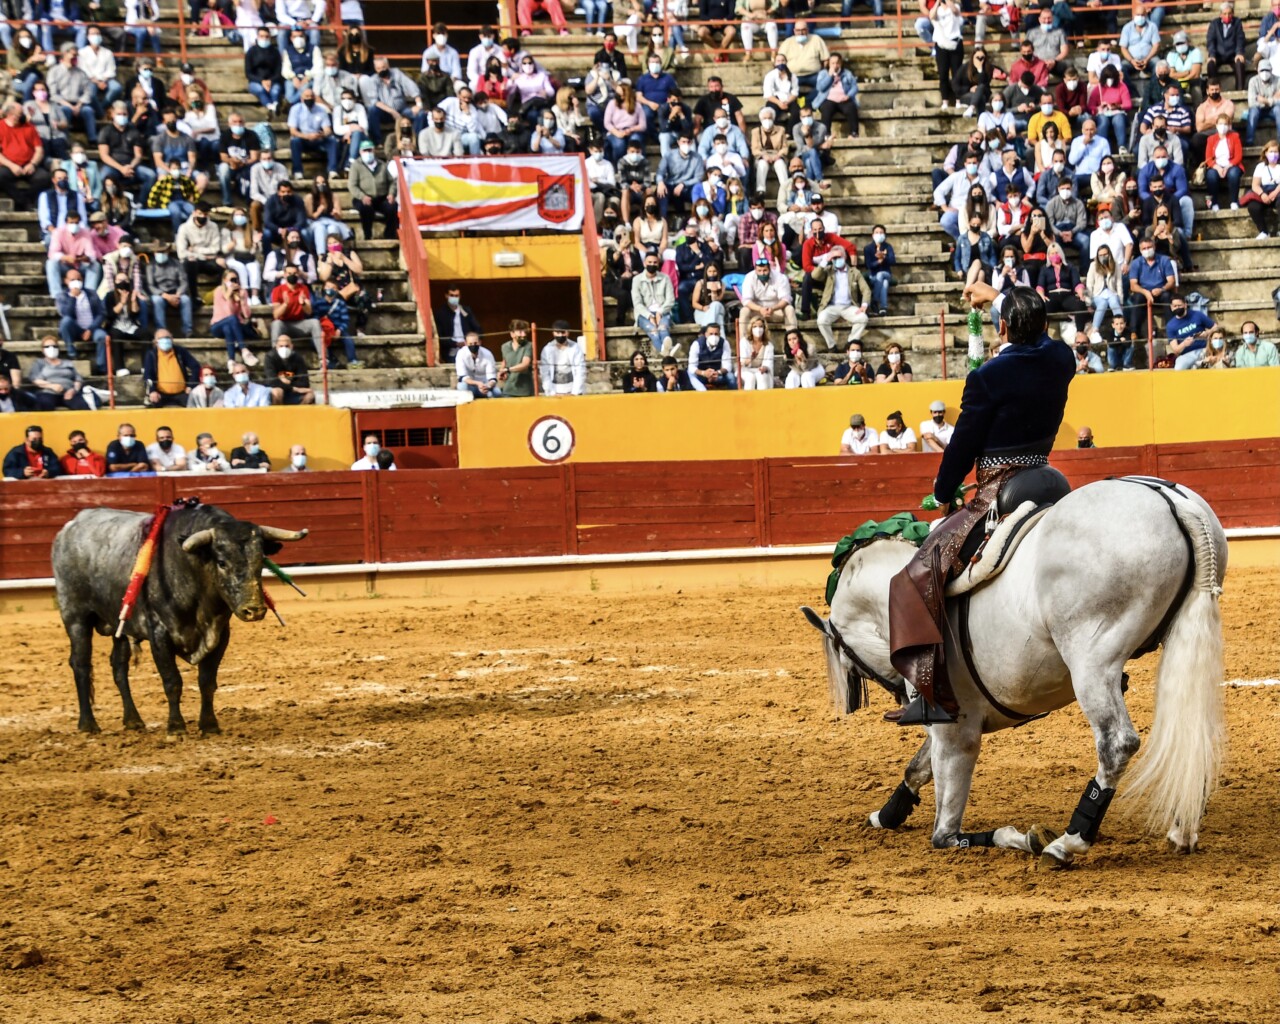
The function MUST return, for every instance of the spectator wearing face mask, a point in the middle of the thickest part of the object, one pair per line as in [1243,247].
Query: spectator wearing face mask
[564,366]
[1046,114]
[756,357]
[1263,100]
[243,392]
[1265,188]
[70,248]
[1138,42]
[769,146]
[165,454]
[1087,153]
[813,150]
[845,295]
[167,288]
[855,369]
[80,459]
[952,194]
[297,460]
[291,311]
[728,134]
[335,324]
[80,318]
[477,370]
[99,63]
[206,394]
[1226,45]
[373,192]
[264,71]
[653,299]
[239,152]
[1187,333]
[249,455]
[206,456]
[897,437]
[1186,63]
[232,317]
[200,248]
[453,322]
[1215,105]
[679,172]
[1176,114]
[711,361]
[1151,281]
[1254,351]
[1224,166]
[749,228]
[125,456]
[694,257]
[1061,288]
[169,372]
[55,382]
[858,438]
[878,261]
[311,131]
[1104,287]
[1109,103]
[1173,182]
[515,370]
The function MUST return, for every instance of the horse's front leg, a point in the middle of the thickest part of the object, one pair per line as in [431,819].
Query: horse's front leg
[955,753]
[907,796]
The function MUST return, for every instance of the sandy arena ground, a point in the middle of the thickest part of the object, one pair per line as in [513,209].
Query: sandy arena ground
[605,808]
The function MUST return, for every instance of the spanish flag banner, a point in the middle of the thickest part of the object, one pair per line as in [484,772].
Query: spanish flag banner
[507,193]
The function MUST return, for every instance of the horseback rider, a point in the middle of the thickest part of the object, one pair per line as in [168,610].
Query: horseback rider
[1010,412]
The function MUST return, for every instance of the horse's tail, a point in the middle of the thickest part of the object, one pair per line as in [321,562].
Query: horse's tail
[1179,770]
[837,671]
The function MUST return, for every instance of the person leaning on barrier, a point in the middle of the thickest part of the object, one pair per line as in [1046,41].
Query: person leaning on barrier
[31,460]
[80,459]
[477,371]
[165,454]
[1084,438]
[858,438]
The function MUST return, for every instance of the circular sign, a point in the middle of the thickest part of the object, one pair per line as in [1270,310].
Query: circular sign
[551,439]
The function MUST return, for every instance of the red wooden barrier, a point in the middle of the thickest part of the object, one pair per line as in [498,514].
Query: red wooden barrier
[594,508]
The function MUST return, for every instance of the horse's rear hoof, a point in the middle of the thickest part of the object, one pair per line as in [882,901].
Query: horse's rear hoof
[1048,862]
[89,726]
[1038,837]
[212,729]
[135,725]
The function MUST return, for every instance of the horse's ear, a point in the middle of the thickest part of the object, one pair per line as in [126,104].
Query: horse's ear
[815,620]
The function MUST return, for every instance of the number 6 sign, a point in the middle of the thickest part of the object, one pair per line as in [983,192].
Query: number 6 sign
[551,439]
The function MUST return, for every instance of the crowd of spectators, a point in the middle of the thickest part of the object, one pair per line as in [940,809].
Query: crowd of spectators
[1082,156]
[1077,176]
[126,455]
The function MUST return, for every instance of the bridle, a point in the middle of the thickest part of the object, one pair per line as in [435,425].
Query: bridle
[864,671]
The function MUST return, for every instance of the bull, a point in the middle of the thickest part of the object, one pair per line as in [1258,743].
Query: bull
[207,567]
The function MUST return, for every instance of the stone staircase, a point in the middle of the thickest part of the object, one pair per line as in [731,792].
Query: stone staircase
[881,177]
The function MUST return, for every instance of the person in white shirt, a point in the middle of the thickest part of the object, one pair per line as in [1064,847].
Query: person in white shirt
[449,58]
[711,361]
[297,459]
[206,458]
[564,367]
[897,436]
[756,357]
[477,369]
[1115,236]
[480,54]
[859,439]
[99,63]
[370,460]
[935,432]
[244,393]
[165,454]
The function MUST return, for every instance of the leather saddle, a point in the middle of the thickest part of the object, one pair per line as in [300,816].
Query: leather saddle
[1039,487]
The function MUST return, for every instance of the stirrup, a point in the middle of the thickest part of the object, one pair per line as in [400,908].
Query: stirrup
[921,712]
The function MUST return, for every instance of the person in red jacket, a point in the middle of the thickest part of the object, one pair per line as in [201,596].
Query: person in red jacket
[815,254]
[1224,166]
[81,460]
[21,158]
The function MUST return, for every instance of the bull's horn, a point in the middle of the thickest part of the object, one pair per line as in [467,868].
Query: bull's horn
[275,533]
[197,540]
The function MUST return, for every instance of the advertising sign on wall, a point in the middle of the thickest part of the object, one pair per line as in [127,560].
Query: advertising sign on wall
[510,193]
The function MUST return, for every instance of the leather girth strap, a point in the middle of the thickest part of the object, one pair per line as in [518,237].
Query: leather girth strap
[966,648]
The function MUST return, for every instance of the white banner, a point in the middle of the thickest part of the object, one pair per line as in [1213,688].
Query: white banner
[509,193]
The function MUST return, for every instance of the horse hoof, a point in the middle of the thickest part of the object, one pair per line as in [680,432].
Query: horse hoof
[136,725]
[211,730]
[1038,837]
[90,727]
[1177,848]
[1049,862]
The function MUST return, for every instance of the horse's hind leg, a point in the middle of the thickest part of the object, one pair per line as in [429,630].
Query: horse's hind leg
[1100,694]
[905,798]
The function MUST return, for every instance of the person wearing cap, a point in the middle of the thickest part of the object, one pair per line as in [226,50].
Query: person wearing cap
[935,432]
[1226,44]
[187,88]
[564,366]
[373,192]
[167,288]
[1264,99]
[206,458]
[1186,63]
[858,438]
[766,293]
[104,236]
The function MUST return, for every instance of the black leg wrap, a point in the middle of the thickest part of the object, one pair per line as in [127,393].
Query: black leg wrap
[1089,811]
[898,808]
[964,840]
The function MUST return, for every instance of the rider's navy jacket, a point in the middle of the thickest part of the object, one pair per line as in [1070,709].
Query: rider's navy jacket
[1012,403]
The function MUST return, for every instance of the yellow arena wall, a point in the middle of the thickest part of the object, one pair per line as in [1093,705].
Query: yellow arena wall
[1122,409]
[326,432]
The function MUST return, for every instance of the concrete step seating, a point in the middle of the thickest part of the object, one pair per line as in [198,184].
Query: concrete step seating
[880,177]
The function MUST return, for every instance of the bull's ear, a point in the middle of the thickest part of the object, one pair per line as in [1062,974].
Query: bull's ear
[271,547]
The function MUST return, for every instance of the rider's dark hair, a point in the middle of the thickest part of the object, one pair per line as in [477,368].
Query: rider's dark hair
[1024,311]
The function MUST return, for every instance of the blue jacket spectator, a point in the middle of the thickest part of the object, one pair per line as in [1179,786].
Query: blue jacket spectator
[732,135]
[826,81]
[190,366]
[52,206]
[16,461]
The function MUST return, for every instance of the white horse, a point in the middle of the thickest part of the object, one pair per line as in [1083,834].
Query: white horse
[1110,570]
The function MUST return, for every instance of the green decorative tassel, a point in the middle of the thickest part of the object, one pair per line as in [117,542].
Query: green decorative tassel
[281,575]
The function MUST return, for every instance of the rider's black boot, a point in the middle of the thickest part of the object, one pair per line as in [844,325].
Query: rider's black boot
[921,712]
